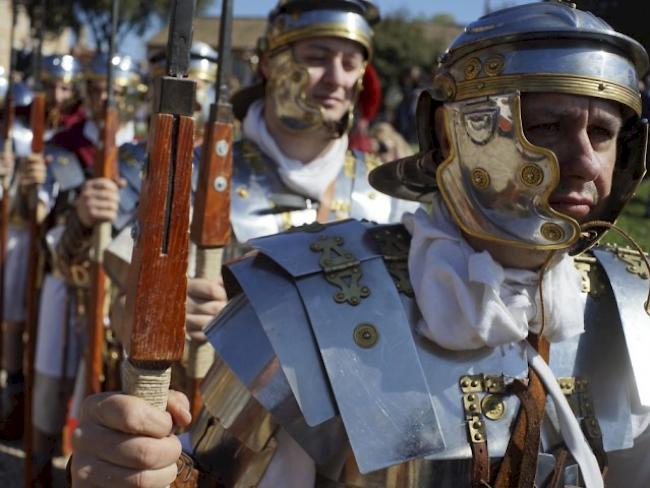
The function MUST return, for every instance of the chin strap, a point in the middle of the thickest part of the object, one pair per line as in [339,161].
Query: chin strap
[608,225]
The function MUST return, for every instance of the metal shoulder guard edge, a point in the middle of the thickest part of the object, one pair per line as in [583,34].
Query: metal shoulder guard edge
[317,335]
[65,167]
[628,278]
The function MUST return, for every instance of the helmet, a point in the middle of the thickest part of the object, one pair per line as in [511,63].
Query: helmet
[64,67]
[126,71]
[203,62]
[295,20]
[495,183]
[22,94]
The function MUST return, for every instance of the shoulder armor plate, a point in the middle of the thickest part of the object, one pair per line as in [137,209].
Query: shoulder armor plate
[629,281]
[65,167]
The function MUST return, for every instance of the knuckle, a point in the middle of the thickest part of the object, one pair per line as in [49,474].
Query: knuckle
[145,455]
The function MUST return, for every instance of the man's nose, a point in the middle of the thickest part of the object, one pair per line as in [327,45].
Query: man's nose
[334,72]
[578,158]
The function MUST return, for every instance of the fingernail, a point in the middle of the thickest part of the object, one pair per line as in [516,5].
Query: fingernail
[187,415]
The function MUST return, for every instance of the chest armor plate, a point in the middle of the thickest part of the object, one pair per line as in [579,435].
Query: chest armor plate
[262,204]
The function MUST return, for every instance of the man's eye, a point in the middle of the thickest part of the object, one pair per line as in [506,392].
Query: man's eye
[314,59]
[549,127]
[601,132]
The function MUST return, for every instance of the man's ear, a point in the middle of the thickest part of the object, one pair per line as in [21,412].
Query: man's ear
[441,131]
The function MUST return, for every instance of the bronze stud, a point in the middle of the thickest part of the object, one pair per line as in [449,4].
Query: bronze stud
[472,68]
[532,175]
[365,335]
[493,407]
[480,178]
[494,65]
[242,192]
[552,232]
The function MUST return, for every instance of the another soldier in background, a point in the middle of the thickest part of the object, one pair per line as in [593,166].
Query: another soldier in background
[80,201]
[60,75]
[293,166]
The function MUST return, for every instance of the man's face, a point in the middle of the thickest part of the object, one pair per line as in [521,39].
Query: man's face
[58,93]
[582,132]
[97,93]
[335,66]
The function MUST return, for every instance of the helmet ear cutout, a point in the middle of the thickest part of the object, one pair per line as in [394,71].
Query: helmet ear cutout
[425,117]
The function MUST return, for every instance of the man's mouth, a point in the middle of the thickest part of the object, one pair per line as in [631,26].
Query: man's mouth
[577,207]
[327,100]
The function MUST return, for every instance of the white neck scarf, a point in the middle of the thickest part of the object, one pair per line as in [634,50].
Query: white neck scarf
[310,179]
[469,301]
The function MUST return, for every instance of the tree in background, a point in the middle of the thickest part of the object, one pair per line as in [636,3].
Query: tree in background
[405,45]
[135,16]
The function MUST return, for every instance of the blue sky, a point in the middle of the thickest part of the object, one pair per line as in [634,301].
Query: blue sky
[462,10]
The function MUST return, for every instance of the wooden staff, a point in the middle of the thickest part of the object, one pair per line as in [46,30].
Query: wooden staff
[211,218]
[157,286]
[37,121]
[105,167]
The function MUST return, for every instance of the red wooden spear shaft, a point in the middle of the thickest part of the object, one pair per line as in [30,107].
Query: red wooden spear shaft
[105,167]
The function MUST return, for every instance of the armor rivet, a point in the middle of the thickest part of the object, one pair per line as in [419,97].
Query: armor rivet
[221,148]
[339,297]
[471,398]
[532,175]
[480,178]
[552,232]
[220,184]
[365,335]
[474,383]
[601,86]
[365,291]
[473,407]
[494,65]
[477,424]
[372,195]
[315,247]
[464,383]
[472,68]
[493,407]
[354,301]
[478,437]
[242,192]
[480,85]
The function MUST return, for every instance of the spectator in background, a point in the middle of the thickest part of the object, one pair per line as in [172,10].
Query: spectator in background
[404,118]
[388,144]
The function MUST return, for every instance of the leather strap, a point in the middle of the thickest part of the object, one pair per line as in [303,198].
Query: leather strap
[480,464]
[519,463]
[561,457]
[190,476]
